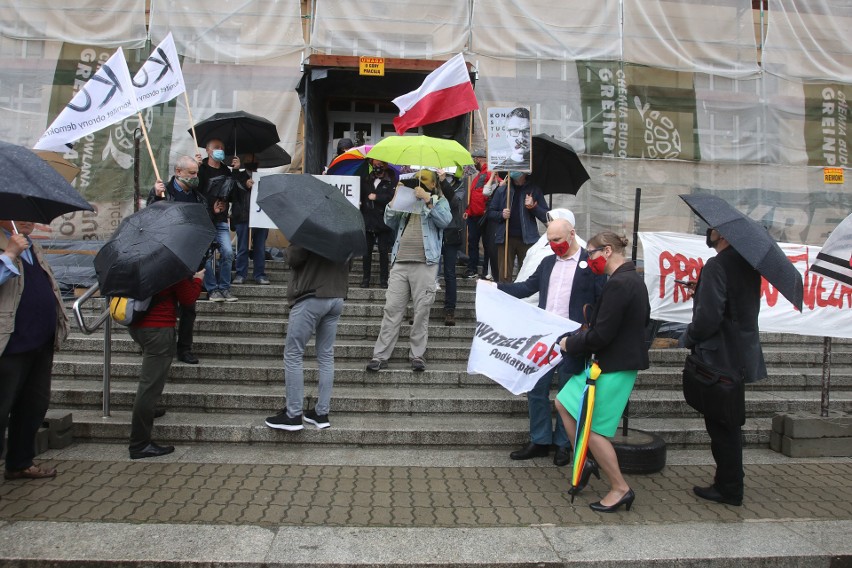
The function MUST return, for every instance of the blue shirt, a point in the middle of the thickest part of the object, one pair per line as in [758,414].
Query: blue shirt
[8,268]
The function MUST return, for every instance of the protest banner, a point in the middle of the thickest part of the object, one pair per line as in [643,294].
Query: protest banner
[827,310]
[350,186]
[514,343]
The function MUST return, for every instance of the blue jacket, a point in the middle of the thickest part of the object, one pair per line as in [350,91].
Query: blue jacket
[529,228]
[586,289]
[433,221]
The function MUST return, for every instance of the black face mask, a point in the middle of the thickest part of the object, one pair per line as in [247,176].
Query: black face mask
[378,171]
[710,243]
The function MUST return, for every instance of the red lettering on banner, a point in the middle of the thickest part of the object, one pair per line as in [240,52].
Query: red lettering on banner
[536,353]
[818,295]
[679,267]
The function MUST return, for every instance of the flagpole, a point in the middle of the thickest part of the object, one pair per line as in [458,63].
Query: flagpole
[148,144]
[191,122]
[506,238]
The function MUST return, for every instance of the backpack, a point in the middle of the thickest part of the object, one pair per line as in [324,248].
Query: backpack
[127,311]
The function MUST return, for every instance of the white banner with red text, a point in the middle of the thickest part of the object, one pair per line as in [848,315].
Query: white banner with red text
[514,343]
[827,309]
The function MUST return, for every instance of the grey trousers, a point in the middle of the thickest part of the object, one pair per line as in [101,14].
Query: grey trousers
[158,350]
[414,281]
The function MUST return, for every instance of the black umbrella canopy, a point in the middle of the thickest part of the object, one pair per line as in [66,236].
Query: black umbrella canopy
[556,168]
[752,241]
[314,215]
[272,157]
[153,249]
[32,190]
[239,131]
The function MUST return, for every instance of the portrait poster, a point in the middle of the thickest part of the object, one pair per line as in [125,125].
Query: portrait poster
[509,139]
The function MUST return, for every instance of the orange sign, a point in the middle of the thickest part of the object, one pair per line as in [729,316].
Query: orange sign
[373,66]
[832,175]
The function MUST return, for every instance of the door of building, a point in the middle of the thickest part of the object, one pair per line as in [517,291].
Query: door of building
[362,122]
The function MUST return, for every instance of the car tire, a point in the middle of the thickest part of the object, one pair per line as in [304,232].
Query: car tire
[639,451]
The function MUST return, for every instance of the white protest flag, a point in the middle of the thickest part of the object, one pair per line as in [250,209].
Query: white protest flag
[108,97]
[160,78]
[514,343]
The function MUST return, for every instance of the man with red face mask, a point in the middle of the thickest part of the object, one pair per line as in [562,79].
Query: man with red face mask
[565,283]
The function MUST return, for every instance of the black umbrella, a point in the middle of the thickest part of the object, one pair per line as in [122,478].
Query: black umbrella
[272,157]
[31,190]
[314,215]
[154,248]
[556,168]
[239,131]
[752,241]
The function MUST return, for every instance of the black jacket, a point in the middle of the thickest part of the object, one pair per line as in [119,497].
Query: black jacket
[617,328]
[724,331]
[240,198]
[207,178]
[173,195]
[374,211]
[315,276]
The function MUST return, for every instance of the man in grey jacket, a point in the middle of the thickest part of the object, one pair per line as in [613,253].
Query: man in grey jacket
[315,294]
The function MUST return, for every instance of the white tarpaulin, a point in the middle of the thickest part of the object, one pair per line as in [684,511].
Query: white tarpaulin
[514,343]
[827,310]
[108,97]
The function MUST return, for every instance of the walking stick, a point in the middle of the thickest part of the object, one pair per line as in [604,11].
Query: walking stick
[506,238]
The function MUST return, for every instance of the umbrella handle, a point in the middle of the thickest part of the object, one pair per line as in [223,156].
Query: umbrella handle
[15,227]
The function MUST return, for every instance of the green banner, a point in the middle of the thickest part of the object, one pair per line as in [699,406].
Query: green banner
[106,157]
[827,124]
[632,111]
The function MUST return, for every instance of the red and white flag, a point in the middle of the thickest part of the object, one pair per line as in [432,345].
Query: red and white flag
[446,92]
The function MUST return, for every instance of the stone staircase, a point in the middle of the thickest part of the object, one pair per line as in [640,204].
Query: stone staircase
[240,381]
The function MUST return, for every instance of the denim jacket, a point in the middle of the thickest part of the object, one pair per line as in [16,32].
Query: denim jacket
[433,221]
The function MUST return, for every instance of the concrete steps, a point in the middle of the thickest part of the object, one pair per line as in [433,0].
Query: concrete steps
[240,381]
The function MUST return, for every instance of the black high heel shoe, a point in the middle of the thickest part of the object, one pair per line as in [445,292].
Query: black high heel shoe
[589,468]
[627,501]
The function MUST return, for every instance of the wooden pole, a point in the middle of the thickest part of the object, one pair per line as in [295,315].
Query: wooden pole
[506,270]
[148,144]
[191,123]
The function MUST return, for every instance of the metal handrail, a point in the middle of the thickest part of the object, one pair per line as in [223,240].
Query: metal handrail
[104,317]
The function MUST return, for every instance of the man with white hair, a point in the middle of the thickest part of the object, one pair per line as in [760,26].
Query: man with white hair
[565,285]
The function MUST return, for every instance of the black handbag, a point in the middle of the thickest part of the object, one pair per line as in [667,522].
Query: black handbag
[716,394]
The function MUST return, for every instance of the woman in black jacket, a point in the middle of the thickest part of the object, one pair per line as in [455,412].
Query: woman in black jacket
[615,339]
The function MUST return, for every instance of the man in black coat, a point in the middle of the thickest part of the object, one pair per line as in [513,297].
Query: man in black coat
[377,190]
[568,274]
[724,334]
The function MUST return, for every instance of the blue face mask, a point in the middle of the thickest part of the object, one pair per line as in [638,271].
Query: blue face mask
[218,155]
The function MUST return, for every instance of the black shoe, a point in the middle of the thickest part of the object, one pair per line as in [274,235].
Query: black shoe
[159,412]
[627,501]
[318,420]
[418,365]
[283,422]
[530,451]
[376,364]
[713,494]
[152,450]
[589,468]
[562,457]
[188,358]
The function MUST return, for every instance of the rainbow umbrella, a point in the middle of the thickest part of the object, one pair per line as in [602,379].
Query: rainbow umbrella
[584,426]
[350,162]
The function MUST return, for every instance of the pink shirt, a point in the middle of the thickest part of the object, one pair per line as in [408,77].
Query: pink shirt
[561,282]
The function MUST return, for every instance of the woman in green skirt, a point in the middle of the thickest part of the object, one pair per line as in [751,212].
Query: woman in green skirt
[615,338]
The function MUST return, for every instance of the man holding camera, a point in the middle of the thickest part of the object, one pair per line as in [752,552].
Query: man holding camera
[183,186]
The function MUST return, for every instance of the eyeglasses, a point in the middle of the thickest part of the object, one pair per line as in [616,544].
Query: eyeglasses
[594,250]
[517,131]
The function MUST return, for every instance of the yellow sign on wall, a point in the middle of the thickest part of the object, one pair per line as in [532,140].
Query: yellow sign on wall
[832,175]
[373,66]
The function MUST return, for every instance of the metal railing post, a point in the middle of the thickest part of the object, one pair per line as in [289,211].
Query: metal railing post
[104,317]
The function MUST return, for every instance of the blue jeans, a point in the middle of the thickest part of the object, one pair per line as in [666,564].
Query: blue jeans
[451,253]
[222,279]
[258,253]
[541,427]
[309,316]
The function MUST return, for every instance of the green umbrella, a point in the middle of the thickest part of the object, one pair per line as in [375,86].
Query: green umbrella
[423,151]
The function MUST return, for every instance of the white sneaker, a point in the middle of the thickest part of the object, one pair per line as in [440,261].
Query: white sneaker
[215,296]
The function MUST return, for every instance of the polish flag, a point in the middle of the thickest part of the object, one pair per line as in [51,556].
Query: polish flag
[446,92]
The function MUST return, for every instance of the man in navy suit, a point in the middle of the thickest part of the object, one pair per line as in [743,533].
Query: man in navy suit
[565,284]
